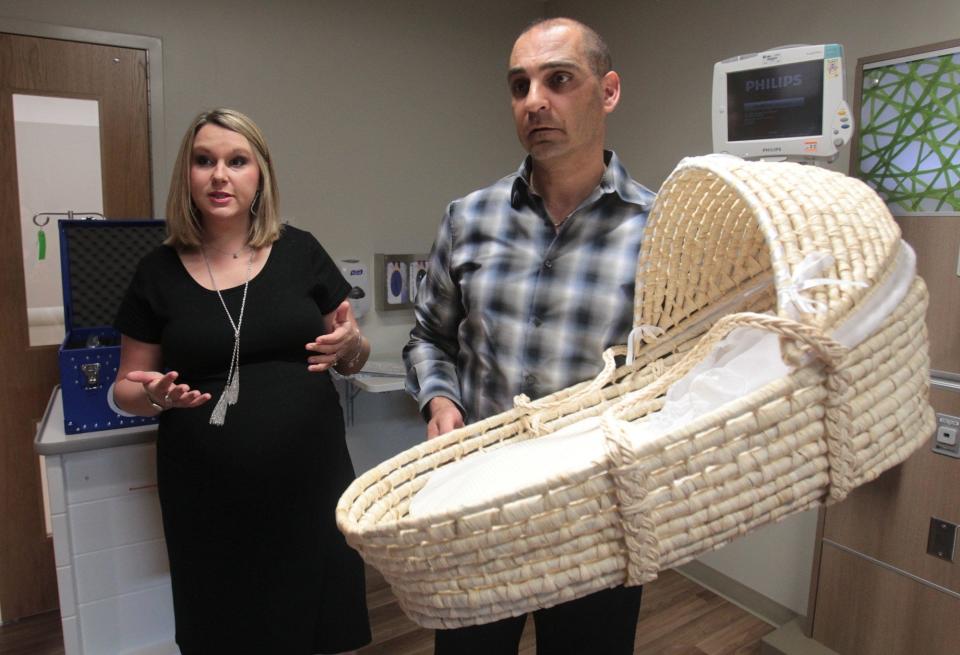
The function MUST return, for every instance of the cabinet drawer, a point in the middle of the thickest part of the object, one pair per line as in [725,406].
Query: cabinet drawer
[61,540]
[122,570]
[125,623]
[68,605]
[863,608]
[127,519]
[71,636]
[109,472]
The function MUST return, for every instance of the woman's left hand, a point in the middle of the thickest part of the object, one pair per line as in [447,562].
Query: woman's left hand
[340,344]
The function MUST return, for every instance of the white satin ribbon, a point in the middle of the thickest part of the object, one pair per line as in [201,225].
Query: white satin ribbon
[641,332]
[791,295]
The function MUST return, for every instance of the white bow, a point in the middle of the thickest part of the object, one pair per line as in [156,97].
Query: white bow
[641,332]
[803,279]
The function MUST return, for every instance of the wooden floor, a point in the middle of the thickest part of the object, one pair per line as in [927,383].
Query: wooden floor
[678,617]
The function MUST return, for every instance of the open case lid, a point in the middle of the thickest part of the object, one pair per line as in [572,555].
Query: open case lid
[97,262]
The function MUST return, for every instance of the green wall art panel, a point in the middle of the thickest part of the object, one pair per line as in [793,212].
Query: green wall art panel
[910,133]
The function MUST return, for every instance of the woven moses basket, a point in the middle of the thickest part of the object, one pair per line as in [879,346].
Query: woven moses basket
[841,416]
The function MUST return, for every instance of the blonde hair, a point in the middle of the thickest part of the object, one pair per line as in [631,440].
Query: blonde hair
[183,222]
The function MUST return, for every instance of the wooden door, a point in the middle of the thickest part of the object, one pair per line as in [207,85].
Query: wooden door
[117,79]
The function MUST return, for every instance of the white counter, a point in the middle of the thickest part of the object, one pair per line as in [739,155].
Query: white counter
[377,376]
[53,440]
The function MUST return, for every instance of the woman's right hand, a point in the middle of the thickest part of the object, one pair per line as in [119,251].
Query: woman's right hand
[161,388]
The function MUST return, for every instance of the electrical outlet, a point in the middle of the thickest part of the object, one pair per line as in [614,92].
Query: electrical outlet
[942,538]
[946,440]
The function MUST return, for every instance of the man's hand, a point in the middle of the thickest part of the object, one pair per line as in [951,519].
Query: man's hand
[444,417]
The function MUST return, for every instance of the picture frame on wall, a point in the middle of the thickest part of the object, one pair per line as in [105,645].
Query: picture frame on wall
[905,145]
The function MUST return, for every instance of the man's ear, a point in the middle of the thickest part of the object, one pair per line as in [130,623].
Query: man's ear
[610,84]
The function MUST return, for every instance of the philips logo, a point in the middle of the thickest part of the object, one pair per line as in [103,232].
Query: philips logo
[772,149]
[356,271]
[771,83]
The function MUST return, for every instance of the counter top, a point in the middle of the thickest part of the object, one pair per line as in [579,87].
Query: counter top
[378,376]
[377,383]
[51,438]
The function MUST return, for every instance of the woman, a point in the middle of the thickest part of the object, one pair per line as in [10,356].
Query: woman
[249,475]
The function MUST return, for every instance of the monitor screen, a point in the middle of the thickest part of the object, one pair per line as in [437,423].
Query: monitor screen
[783,103]
[775,102]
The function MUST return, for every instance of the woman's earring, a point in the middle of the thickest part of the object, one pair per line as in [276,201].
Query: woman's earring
[255,205]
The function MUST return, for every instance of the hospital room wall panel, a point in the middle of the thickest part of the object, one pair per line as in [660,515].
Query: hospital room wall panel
[936,240]
[889,519]
[887,613]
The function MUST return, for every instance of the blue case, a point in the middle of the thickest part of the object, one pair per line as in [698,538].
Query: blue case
[97,262]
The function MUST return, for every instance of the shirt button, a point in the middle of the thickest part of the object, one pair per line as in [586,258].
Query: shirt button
[548,263]
[537,322]
[530,379]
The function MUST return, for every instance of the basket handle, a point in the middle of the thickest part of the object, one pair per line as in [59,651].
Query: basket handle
[604,377]
[534,410]
[830,352]
[629,476]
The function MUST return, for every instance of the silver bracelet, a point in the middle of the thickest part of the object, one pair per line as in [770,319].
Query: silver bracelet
[356,356]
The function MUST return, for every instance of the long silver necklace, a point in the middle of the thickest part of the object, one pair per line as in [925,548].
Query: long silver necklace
[231,392]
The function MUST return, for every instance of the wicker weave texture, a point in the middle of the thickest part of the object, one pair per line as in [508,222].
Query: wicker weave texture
[724,245]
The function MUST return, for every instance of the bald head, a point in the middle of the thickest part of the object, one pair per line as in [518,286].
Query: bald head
[595,51]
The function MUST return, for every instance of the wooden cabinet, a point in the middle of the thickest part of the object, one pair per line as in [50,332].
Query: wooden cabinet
[875,588]
[865,607]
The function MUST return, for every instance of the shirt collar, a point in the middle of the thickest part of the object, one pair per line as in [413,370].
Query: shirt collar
[615,180]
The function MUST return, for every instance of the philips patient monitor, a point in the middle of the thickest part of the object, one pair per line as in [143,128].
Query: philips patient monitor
[785,103]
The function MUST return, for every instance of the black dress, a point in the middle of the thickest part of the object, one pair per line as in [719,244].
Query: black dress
[256,561]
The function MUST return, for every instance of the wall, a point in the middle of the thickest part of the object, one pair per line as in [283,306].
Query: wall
[665,51]
[378,113]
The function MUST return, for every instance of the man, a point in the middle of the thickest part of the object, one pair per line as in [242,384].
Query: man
[528,282]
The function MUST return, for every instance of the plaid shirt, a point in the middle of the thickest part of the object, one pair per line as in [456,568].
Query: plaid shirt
[510,305]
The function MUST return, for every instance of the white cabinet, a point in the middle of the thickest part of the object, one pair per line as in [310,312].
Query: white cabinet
[111,558]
